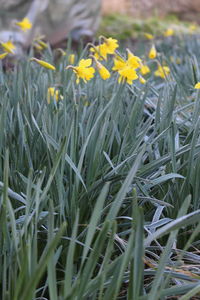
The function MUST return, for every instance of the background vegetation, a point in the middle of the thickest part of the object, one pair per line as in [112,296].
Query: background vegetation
[100,191]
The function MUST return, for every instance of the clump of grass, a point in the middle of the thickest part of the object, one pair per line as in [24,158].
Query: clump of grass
[99,189]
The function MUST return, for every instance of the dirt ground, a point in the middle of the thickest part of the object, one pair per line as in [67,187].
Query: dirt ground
[186,9]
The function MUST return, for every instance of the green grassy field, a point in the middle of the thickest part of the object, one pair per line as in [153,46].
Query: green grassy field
[100,188]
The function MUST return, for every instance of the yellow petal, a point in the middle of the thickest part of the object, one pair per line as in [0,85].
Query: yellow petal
[85,62]
[71,59]
[169,32]
[111,44]
[3,55]
[152,52]
[119,63]
[8,47]
[149,36]
[144,69]
[53,93]
[43,63]
[197,86]
[142,80]
[104,73]
[25,24]
[162,71]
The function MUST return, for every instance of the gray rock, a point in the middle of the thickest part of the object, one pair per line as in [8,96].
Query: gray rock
[56,19]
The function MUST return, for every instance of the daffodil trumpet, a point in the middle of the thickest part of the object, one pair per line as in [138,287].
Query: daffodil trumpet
[103,71]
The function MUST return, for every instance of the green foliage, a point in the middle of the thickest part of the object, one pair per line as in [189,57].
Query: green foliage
[100,191]
[125,27]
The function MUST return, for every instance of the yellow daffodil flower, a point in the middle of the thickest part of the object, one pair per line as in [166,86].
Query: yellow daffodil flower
[144,69]
[169,32]
[126,69]
[119,63]
[108,47]
[24,25]
[127,74]
[162,71]
[8,47]
[52,93]
[100,51]
[133,60]
[103,72]
[43,63]
[112,45]
[197,86]
[71,59]
[83,70]
[152,52]
[3,55]
[149,36]
[142,80]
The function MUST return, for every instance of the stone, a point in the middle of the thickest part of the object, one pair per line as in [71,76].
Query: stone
[56,19]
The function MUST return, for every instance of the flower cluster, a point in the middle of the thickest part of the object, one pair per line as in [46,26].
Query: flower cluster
[128,69]
[173,30]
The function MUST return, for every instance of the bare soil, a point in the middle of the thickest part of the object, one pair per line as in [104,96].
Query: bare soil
[186,9]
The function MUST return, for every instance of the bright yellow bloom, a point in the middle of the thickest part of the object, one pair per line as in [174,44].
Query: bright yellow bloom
[127,74]
[119,63]
[52,93]
[142,80]
[8,47]
[3,55]
[169,32]
[108,47]
[71,59]
[83,70]
[24,25]
[133,61]
[197,86]
[162,71]
[111,45]
[149,36]
[104,73]
[144,69]
[43,63]
[126,69]
[152,52]
[100,51]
